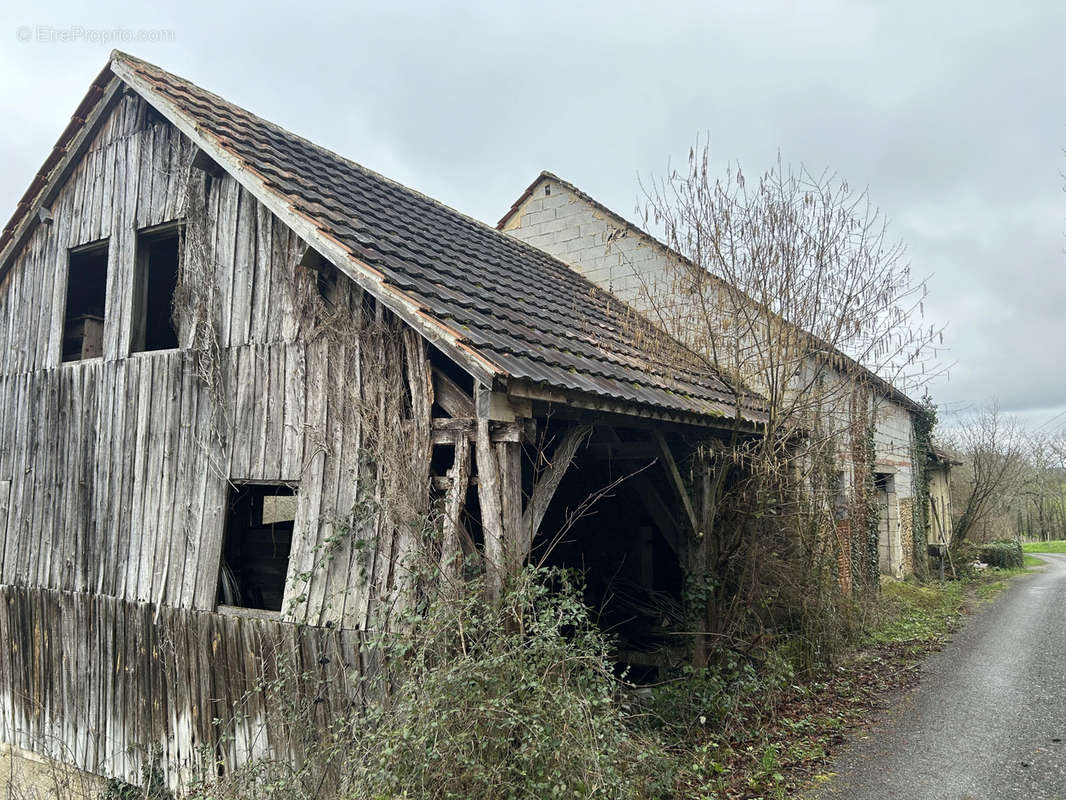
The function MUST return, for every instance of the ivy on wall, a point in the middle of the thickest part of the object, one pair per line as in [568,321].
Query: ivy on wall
[865,513]
[924,423]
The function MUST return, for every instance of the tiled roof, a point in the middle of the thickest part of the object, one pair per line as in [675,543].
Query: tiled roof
[525,315]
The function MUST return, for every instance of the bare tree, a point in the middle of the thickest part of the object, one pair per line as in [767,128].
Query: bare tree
[992,447]
[792,285]
[788,285]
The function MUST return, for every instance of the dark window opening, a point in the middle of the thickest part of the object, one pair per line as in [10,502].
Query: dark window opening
[153,118]
[83,321]
[255,550]
[327,278]
[157,277]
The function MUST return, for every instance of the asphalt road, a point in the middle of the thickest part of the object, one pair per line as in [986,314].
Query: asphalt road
[989,717]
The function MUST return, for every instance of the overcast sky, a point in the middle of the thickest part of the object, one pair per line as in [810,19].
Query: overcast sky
[952,114]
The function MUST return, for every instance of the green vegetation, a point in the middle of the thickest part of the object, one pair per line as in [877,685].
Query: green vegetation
[914,613]
[1005,554]
[1032,561]
[521,699]
[1058,546]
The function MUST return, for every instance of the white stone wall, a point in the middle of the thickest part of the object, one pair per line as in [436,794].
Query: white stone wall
[632,265]
[593,242]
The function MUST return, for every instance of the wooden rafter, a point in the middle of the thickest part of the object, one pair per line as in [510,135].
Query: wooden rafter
[544,490]
[674,474]
[451,397]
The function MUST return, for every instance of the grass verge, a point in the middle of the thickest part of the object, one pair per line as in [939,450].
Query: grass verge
[786,746]
[1058,546]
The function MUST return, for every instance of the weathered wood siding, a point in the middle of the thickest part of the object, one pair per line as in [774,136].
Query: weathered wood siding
[114,472]
[110,686]
[117,466]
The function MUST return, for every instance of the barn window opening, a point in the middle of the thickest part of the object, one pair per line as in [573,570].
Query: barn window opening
[157,277]
[256,547]
[83,319]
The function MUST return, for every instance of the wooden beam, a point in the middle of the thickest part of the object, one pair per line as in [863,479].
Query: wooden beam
[451,540]
[659,511]
[515,544]
[718,416]
[451,397]
[550,479]
[488,492]
[448,430]
[674,475]
[625,451]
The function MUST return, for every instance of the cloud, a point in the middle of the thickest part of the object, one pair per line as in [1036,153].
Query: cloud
[948,112]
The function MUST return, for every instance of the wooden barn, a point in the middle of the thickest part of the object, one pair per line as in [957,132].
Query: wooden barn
[243,379]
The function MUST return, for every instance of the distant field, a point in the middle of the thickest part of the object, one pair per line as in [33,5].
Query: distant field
[1045,547]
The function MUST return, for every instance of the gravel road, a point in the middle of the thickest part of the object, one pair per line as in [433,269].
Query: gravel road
[989,718]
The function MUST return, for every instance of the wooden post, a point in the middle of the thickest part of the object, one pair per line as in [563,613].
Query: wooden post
[451,547]
[488,491]
[509,458]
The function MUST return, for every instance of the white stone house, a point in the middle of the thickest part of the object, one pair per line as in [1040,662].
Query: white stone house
[609,250]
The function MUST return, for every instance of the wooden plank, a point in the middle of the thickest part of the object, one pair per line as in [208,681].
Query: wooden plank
[244,267]
[452,525]
[168,585]
[292,456]
[274,401]
[114,465]
[312,486]
[46,267]
[85,488]
[243,388]
[216,492]
[225,223]
[127,527]
[43,529]
[264,313]
[107,205]
[69,431]
[262,410]
[516,541]
[185,495]
[101,496]
[161,176]
[139,563]
[335,533]
[142,216]
[154,544]
[5,511]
